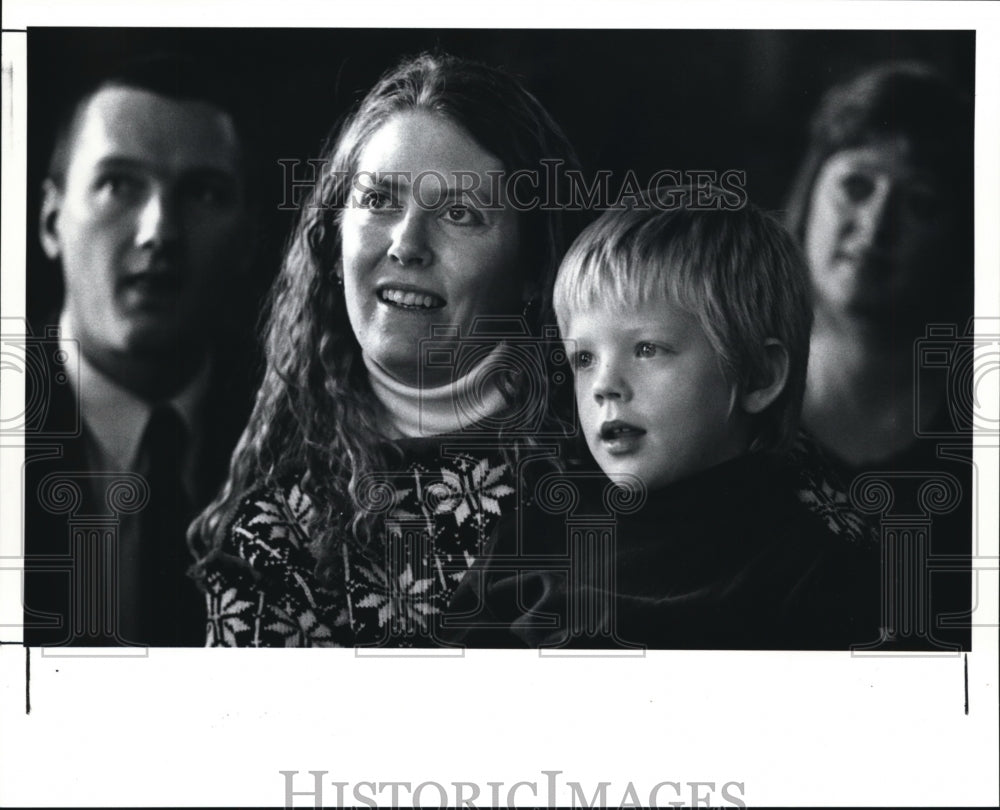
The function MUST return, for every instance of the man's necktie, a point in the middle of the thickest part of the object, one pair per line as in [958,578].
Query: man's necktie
[173,610]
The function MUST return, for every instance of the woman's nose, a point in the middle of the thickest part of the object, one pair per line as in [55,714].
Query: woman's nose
[409,244]
[157,226]
[609,384]
[875,216]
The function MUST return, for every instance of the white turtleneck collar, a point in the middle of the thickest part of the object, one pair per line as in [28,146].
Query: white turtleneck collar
[450,408]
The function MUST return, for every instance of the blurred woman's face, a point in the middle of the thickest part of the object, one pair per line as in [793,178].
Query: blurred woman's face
[877,233]
[418,249]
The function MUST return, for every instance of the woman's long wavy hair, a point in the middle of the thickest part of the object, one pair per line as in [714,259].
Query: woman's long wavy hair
[316,417]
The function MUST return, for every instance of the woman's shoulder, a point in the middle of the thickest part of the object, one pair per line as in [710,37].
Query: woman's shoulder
[822,495]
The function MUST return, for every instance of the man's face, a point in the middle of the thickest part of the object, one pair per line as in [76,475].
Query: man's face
[152,217]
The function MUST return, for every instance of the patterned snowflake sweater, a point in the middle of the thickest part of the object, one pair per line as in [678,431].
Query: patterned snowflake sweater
[438,512]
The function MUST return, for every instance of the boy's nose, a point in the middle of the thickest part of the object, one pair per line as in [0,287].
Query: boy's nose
[609,384]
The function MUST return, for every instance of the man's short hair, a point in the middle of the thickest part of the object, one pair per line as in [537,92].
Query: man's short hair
[174,76]
[738,271]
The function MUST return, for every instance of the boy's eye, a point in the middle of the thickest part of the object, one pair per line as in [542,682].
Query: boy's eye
[459,214]
[645,349]
[582,359]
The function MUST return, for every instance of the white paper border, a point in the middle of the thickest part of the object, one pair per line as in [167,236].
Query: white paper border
[193,726]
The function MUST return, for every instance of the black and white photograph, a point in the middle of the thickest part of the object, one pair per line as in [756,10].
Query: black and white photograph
[624,378]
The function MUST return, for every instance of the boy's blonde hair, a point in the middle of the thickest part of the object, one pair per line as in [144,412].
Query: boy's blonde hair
[738,271]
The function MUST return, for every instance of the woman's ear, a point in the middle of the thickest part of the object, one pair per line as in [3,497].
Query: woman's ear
[48,220]
[530,290]
[531,300]
[762,392]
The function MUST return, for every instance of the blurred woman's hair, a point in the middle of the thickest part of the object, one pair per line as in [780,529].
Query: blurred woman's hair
[316,416]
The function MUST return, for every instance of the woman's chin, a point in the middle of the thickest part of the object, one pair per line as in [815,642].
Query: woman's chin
[852,299]
[406,365]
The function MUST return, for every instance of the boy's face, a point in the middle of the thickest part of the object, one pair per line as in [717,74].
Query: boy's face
[652,398]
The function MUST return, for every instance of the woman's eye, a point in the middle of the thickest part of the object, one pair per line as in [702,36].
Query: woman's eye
[645,349]
[582,360]
[921,203]
[375,200]
[462,215]
[857,187]
[207,195]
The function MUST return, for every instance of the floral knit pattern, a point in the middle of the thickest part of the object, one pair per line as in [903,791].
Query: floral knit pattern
[438,515]
[820,490]
[437,519]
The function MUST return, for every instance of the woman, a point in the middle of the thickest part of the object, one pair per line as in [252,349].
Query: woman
[883,209]
[376,464]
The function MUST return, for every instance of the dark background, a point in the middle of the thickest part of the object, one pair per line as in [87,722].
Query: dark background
[643,100]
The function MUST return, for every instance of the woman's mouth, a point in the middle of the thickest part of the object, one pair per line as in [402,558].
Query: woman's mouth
[410,299]
[866,260]
[619,438]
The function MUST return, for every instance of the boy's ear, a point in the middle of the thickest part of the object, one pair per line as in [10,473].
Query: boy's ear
[48,222]
[762,392]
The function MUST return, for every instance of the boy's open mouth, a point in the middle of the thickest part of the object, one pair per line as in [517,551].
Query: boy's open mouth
[620,437]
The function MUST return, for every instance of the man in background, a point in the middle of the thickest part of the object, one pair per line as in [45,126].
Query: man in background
[148,208]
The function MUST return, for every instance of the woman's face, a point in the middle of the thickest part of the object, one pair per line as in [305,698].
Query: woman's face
[877,233]
[419,250]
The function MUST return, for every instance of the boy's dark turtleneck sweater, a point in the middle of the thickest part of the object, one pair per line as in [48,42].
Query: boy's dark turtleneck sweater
[727,558]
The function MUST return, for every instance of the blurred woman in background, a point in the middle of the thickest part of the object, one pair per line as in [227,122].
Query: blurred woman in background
[883,207]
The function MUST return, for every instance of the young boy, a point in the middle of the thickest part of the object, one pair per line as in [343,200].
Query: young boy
[688,332]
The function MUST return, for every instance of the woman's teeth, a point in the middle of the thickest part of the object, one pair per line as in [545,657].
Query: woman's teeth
[405,298]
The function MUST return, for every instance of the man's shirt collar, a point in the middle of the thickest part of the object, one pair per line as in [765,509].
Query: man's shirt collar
[115,417]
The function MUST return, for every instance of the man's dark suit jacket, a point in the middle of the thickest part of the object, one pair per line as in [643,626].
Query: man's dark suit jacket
[70,512]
